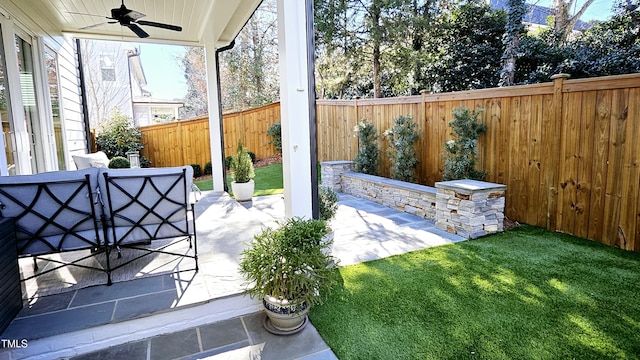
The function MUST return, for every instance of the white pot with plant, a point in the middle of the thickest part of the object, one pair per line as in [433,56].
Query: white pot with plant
[289,269]
[243,174]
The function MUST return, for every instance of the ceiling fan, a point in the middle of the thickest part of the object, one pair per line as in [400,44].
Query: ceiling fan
[129,18]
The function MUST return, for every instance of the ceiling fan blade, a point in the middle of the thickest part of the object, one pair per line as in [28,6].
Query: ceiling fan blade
[137,29]
[79,13]
[160,25]
[96,25]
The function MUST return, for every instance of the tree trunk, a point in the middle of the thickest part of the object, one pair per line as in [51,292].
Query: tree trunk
[376,34]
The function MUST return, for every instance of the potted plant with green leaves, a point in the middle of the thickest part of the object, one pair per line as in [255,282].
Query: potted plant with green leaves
[243,173]
[288,268]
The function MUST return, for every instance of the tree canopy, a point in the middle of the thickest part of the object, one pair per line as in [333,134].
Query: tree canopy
[383,48]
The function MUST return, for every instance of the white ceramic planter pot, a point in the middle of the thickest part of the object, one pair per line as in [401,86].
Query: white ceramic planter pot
[284,317]
[243,191]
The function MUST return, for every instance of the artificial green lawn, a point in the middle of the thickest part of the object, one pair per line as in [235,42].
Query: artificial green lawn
[268,181]
[523,294]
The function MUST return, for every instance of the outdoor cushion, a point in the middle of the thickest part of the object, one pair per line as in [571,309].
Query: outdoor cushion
[146,204]
[98,159]
[52,210]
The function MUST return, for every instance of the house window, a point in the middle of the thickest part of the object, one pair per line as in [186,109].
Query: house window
[107,65]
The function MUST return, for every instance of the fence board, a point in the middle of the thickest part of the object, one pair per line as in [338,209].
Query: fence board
[630,174]
[585,159]
[599,166]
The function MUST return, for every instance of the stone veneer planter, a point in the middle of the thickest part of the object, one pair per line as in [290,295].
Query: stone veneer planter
[468,208]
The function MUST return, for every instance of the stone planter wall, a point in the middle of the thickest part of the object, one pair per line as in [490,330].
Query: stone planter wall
[468,208]
[411,198]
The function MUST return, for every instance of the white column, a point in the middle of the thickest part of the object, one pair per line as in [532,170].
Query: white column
[217,164]
[294,108]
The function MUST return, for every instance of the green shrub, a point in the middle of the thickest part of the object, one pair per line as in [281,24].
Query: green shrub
[461,152]
[402,136]
[119,162]
[208,168]
[252,155]
[197,170]
[327,203]
[366,161]
[241,165]
[227,162]
[118,136]
[275,132]
[290,262]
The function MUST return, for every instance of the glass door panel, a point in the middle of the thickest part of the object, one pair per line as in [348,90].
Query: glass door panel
[51,62]
[8,163]
[27,85]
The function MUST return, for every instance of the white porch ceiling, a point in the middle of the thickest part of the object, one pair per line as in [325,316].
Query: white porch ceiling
[202,21]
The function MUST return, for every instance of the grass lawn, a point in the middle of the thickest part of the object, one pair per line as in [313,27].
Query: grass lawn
[268,181]
[523,294]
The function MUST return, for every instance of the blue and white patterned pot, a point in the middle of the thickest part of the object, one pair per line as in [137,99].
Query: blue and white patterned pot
[285,316]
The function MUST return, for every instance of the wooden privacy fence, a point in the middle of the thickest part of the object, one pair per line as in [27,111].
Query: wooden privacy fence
[569,150]
[187,142]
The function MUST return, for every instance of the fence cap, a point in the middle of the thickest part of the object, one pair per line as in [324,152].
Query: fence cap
[561,75]
[470,185]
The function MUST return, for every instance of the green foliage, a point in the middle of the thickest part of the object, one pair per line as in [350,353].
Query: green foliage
[327,203]
[118,136]
[366,161]
[609,47]
[197,170]
[227,162]
[290,262]
[241,165]
[464,48]
[275,132]
[402,136]
[119,162]
[252,155]
[461,153]
[208,168]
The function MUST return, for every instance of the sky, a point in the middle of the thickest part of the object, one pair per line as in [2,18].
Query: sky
[165,77]
[599,10]
[161,64]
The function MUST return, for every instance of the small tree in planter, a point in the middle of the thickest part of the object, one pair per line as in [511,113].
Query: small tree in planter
[461,153]
[402,136]
[289,269]
[243,174]
[366,161]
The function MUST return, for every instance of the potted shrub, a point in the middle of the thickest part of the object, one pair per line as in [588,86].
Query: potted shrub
[289,269]
[242,169]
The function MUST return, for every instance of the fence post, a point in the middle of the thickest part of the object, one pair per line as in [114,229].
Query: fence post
[181,143]
[554,168]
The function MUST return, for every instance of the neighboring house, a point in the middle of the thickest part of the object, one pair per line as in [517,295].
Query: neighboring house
[150,111]
[536,15]
[115,80]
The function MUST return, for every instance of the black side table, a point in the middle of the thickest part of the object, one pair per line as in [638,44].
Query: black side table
[10,291]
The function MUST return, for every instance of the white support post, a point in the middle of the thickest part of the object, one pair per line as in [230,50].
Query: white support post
[217,164]
[294,108]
